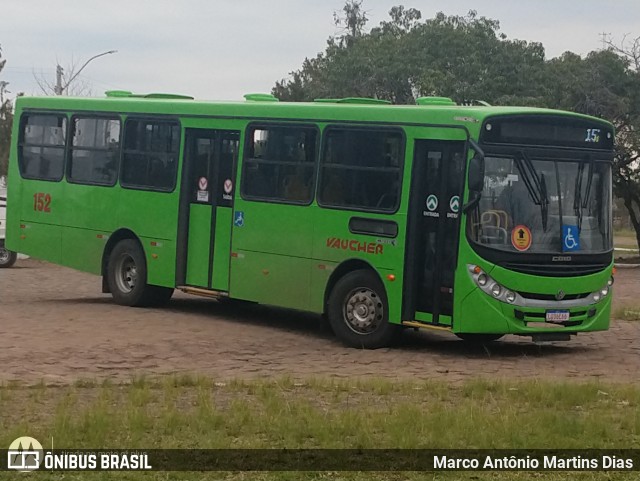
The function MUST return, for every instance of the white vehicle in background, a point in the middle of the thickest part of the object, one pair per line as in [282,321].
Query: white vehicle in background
[7,257]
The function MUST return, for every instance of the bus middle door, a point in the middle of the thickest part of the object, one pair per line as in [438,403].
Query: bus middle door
[206,204]
[434,226]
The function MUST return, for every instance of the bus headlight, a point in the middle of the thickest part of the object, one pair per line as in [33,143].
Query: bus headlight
[610,281]
[596,297]
[490,287]
[604,291]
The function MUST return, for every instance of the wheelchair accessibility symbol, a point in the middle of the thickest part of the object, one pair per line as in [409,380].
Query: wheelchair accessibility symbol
[570,238]
[238,219]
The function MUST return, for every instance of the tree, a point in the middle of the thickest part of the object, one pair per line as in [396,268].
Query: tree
[467,58]
[352,23]
[6,120]
[627,173]
[606,84]
[404,57]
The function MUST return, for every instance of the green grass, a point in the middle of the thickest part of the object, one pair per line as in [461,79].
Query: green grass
[628,313]
[624,233]
[190,412]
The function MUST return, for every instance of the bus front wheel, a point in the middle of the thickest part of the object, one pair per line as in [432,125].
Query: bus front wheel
[127,277]
[358,311]
[7,257]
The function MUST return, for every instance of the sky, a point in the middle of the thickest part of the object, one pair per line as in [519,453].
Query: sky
[222,49]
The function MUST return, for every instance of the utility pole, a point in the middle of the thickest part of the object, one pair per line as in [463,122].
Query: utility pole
[59,88]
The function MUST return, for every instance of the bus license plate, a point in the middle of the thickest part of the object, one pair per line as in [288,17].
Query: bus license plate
[557,316]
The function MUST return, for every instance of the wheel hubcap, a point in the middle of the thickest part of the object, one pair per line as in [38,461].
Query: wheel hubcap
[4,255]
[127,273]
[363,310]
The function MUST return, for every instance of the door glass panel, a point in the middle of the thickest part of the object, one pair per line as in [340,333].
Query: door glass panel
[438,179]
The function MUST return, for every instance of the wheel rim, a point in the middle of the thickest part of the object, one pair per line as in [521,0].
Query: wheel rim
[126,273]
[4,256]
[363,310]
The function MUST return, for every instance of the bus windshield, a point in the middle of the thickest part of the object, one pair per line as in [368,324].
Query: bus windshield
[538,205]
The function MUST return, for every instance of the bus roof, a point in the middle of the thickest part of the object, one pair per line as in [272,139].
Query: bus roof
[264,106]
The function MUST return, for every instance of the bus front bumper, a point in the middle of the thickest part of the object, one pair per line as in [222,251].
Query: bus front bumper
[480,313]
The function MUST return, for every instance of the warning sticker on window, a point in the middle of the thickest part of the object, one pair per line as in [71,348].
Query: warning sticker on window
[521,237]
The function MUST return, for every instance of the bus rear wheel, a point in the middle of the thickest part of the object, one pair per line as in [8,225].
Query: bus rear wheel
[358,311]
[127,277]
[7,257]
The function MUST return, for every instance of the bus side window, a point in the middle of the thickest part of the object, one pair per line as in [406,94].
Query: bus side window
[150,154]
[280,164]
[361,169]
[95,149]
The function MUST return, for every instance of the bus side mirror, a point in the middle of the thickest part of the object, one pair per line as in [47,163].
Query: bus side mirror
[475,180]
[476,174]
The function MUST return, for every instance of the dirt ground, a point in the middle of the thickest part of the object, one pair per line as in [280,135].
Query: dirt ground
[56,327]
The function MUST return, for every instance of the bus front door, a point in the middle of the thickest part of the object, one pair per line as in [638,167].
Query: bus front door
[433,231]
[206,205]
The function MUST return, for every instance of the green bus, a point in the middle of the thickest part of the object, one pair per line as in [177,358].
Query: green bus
[478,220]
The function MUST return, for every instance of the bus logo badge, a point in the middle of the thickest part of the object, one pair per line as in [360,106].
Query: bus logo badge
[24,454]
[454,204]
[560,295]
[432,202]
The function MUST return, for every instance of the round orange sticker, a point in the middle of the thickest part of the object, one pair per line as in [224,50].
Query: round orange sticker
[521,237]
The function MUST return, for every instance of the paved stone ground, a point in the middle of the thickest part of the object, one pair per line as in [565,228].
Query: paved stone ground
[56,326]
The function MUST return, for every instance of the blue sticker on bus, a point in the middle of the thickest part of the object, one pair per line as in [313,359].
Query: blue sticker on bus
[570,238]
[238,219]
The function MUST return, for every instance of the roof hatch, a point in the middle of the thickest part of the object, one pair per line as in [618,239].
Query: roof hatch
[261,98]
[434,101]
[127,94]
[354,100]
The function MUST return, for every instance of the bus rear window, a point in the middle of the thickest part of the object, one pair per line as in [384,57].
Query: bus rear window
[361,169]
[41,151]
[150,156]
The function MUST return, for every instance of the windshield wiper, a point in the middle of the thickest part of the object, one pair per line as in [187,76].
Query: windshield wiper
[529,177]
[577,197]
[588,189]
[537,186]
[578,203]
[544,202]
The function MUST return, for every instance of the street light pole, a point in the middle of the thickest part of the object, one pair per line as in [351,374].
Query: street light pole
[59,89]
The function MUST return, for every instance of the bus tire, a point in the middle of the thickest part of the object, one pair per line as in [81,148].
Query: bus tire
[476,338]
[127,277]
[358,311]
[7,257]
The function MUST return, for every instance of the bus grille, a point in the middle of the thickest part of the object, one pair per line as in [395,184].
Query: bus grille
[555,270]
[552,297]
